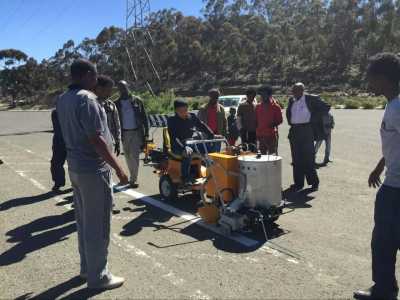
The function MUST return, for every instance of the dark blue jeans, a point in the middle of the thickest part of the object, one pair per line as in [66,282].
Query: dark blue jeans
[386,238]
[186,161]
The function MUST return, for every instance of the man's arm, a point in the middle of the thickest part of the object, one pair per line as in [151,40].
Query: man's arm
[100,146]
[321,109]
[225,124]
[239,118]
[289,113]
[374,178]
[278,118]
[117,125]
[173,137]
[145,118]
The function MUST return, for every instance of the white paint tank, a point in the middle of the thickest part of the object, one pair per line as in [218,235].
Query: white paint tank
[263,180]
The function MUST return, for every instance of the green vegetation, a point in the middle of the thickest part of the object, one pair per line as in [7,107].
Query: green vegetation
[281,103]
[324,44]
[384,103]
[369,104]
[352,103]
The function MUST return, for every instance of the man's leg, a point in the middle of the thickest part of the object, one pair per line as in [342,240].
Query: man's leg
[243,136]
[79,216]
[126,137]
[298,169]
[261,145]
[57,165]
[97,197]
[317,146]
[308,154]
[134,155]
[271,144]
[328,143]
[252,138]
[217,146]
[383,244]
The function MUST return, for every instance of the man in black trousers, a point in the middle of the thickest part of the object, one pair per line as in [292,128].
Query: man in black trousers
[304,114]
[59,154]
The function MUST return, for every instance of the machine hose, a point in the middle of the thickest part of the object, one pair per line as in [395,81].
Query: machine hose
[202,190]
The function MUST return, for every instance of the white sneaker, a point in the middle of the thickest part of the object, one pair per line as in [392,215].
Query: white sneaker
[114,283]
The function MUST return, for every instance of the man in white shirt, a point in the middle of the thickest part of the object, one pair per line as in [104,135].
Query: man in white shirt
[383,74]
[135,128]
[304,115]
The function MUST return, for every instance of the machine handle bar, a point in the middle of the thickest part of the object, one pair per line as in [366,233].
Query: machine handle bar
[205,141]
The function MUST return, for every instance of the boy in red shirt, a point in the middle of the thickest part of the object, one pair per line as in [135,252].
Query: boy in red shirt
[268,115]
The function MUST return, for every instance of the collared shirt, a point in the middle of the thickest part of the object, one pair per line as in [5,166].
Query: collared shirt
[212,122]
[81,114]
[128,115]
[390,135]
[300,112]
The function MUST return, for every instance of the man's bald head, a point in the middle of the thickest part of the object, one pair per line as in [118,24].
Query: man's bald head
[298,90]
[123,89]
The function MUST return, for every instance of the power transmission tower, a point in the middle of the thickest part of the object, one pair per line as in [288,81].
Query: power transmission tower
[138,37]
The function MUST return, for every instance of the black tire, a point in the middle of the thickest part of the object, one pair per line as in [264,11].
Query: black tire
[168,189]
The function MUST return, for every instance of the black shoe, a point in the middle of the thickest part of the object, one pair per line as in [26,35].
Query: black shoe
[326,161]
[56,188]
[296,187]
[314,187]
[373,293]
[134,184]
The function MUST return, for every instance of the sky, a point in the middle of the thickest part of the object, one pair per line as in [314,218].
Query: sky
[84,18]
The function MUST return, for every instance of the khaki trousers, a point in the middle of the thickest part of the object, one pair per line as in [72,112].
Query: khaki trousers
[131,146]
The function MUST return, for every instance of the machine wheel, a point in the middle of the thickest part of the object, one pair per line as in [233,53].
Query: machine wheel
[168,189]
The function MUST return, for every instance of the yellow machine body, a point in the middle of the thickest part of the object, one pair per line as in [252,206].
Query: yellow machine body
[209,213]
[150,145]
[228,182]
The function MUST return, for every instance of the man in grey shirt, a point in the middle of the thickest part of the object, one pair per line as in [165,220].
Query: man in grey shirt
[84,127]
[383,74]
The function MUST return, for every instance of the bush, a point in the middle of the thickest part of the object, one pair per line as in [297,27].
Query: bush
[352,103]
[281,103]
[384,103]
[369,104]
[325,96]
[338,106]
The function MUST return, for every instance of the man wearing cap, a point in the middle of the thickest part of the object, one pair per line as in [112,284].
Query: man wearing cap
[304,114]
[180,125]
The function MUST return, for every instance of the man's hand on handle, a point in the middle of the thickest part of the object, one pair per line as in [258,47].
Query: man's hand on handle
[217,136]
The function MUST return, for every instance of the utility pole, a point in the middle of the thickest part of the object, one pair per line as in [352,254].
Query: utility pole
[137,58]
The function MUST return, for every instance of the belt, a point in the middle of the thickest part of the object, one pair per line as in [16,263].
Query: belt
[301,124]
[130,129]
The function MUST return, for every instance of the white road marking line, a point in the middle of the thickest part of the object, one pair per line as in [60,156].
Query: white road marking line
[169,274]
[29,151]
[184,215]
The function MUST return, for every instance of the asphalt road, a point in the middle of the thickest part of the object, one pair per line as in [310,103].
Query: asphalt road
[162,255]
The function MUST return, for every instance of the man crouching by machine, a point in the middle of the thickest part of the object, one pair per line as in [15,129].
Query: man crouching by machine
[180,126]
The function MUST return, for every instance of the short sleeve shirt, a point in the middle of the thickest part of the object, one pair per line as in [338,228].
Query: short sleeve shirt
[246,112]
[390,135]
[81,114]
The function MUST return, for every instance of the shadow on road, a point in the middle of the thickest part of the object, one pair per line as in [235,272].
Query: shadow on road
[25,231]
[26,133]
[29,243]
[299,199]
[30,200]
[73,283]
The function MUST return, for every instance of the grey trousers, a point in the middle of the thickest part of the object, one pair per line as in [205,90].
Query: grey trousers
[131,145]
[93,202]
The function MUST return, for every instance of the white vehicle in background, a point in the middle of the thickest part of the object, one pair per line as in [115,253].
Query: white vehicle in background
[232,101]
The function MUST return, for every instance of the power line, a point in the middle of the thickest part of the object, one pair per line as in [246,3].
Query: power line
[48,25]
[27,20]
[12,15]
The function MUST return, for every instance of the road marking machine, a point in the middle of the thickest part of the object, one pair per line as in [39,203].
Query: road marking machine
[239,189]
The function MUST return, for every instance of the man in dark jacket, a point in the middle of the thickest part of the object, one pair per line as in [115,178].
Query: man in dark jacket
[59,154]
[304,114]
[135,128]
[180,125]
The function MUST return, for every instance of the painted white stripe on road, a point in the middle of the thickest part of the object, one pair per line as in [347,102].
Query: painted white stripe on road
[189,217]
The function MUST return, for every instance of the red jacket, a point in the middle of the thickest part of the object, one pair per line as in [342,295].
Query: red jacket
[267,115]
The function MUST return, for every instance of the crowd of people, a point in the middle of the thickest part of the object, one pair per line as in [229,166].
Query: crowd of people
[89,129]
